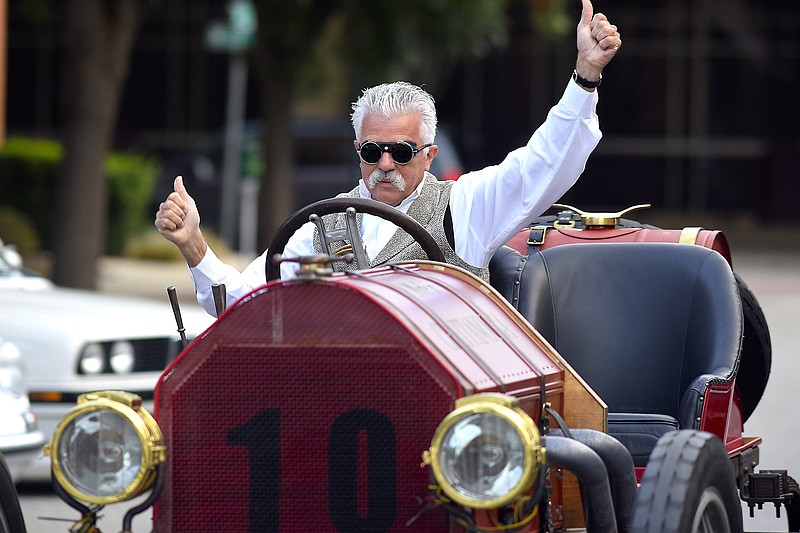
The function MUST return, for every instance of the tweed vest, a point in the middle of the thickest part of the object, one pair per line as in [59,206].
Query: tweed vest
[428,209]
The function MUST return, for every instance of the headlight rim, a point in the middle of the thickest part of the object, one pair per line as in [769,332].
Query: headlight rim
[505,407]
[128,406]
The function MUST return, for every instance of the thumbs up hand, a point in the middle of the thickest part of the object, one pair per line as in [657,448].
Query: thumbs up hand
[598,41]
[178,220]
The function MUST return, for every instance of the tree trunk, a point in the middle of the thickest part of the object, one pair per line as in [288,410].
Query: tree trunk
[99,35]
[277,76]
[276,199]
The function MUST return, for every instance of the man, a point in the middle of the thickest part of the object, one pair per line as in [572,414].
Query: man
[395,125]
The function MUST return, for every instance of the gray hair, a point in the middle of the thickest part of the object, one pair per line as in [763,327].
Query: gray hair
[397,99]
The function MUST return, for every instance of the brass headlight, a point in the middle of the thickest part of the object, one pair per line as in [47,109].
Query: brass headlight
[486,453]
[106,449]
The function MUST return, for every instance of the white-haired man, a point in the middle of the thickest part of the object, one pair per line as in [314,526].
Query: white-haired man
[395,127]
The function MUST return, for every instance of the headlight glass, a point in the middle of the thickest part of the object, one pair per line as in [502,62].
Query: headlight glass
[92,359]
[106,449]
[122,357]
[100,453]
[483,456]
[487,452]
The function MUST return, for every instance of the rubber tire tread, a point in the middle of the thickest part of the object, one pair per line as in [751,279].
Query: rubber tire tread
[682,465]
[9,502]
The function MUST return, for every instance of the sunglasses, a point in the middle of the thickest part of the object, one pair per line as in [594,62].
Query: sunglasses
[402,152]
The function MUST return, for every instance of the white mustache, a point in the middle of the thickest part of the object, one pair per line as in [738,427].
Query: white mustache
[392,177]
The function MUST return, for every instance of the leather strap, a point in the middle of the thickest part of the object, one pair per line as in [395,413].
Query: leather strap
[536,238]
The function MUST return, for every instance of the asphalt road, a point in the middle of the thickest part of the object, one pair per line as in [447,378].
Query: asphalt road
[774,277]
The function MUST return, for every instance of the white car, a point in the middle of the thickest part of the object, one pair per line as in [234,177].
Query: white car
[75,341]
[20,439]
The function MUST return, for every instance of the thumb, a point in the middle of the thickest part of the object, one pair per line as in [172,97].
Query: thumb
[587,13]
[180,188]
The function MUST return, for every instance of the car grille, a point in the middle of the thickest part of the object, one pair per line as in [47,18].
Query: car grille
[294,421]
[153,355]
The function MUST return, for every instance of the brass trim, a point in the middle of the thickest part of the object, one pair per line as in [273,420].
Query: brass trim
[689,235]
[128,406]
[601,219]
[502,406]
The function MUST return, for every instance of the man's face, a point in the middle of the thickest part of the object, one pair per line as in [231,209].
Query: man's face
[388,181]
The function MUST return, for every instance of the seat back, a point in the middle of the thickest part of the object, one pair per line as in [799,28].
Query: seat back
[640,322]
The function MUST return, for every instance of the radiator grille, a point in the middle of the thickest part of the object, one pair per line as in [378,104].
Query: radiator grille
[303,410]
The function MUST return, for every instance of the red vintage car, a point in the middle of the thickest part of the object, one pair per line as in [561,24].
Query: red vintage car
[601,382]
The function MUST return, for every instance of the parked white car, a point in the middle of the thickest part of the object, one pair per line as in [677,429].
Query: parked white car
[75,341]
[20,439]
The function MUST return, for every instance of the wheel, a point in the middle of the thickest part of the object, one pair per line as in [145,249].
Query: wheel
[11,519]
[340,205]
[688,487]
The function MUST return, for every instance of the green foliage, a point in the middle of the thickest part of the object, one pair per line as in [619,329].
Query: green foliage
[16,229]
[151,246]
[131,179]
[421,41]
[27,181]
[550,18]
[28,173]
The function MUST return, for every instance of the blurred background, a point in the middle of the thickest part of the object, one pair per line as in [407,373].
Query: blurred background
[104,102]
[107,100]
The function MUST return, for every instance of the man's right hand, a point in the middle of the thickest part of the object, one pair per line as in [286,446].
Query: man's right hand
[178,220]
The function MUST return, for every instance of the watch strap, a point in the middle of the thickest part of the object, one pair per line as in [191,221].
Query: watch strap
[583,82]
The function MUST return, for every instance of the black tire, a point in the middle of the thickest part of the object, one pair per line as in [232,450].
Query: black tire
[687,487]
[756,361]
[11,519]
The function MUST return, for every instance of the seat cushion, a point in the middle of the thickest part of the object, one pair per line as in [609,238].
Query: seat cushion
[639,432]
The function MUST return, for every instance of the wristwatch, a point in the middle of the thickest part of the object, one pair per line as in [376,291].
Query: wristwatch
[583,82]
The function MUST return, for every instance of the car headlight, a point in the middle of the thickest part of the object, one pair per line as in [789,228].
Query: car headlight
[106,449]
[92,359]
[96,358]
[122,357]
[486,453]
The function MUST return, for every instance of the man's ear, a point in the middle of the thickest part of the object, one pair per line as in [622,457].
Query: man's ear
[432,151]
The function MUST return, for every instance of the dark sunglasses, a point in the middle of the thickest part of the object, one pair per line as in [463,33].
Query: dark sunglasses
[402,152]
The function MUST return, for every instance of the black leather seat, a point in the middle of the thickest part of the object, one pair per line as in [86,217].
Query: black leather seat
[650,326]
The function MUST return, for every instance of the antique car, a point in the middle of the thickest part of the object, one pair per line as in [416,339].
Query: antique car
[75,341]
[600,382]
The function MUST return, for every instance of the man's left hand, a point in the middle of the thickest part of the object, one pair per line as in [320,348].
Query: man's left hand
[598,42]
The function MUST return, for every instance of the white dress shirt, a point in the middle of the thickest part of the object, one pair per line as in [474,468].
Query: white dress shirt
[488,206]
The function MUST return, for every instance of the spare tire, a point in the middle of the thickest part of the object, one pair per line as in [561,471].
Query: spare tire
[756,361]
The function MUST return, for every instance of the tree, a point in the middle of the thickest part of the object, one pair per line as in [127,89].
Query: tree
[420,39]
[375,41]
[98,39]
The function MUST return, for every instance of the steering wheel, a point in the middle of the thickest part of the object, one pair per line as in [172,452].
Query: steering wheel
[340,205]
